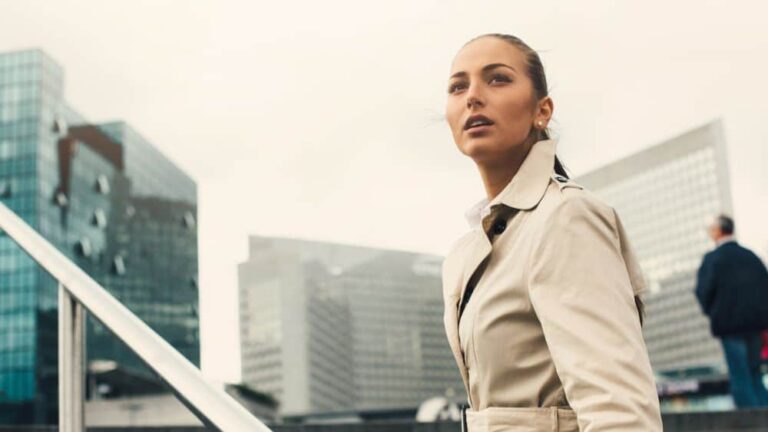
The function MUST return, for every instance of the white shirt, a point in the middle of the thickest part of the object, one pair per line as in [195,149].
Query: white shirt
[477,212]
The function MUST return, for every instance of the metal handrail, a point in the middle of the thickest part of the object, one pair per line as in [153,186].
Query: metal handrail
[212,404]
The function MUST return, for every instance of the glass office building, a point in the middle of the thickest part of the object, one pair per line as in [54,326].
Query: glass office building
[109,201]
[666,195]
[327,327]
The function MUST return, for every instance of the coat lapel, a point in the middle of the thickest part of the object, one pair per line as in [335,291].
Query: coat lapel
[458,268]
[479,250]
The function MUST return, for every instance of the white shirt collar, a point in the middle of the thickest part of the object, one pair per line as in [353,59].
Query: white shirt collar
[477,213]
[724,240]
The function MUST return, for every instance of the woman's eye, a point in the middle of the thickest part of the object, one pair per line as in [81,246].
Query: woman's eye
[499,78]
[453,88]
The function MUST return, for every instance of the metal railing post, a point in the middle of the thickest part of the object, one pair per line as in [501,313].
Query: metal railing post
[79,292]
[65,361]
[71,363]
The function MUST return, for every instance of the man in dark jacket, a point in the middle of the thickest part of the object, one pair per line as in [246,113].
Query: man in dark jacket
[732,288]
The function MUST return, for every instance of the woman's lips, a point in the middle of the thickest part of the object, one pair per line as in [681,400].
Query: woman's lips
[477,118]
[479,130]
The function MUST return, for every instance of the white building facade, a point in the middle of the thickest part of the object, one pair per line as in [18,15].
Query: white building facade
[666,195]
[328,327]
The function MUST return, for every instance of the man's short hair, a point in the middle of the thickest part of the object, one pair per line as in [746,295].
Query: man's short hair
[725,223]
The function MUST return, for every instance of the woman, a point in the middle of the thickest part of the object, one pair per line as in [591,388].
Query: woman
[541,297]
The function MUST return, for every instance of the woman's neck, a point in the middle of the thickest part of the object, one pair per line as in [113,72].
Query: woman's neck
[496,176]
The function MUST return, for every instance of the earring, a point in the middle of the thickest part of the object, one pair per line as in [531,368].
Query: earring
[541,123]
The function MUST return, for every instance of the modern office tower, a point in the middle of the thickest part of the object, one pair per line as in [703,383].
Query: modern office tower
[327,327]
[666,195]
[109,201]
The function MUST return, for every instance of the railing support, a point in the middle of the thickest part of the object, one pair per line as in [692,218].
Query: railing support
[79,292]
[71,363]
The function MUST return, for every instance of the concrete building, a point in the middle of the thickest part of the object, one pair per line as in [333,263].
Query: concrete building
[113,204]
[328,327]
[665,196]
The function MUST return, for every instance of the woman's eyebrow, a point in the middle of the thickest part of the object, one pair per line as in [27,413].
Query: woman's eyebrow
[485,69]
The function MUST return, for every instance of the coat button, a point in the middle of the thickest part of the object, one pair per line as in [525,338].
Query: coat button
[499,226]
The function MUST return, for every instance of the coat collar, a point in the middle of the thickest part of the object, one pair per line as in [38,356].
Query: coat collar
[527,187]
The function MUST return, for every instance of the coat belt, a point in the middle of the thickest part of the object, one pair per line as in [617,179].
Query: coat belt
[497,419]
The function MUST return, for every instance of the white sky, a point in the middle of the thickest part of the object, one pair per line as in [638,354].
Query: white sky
[323,120]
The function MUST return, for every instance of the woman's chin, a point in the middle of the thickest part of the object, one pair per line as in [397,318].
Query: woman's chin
[481,149]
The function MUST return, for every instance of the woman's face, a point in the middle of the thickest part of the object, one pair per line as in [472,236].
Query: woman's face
[492,106]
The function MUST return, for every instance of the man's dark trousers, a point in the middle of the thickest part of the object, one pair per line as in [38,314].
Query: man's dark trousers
[732,288]
[742,353]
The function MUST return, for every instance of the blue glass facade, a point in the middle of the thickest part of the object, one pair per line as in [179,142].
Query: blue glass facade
[112,203]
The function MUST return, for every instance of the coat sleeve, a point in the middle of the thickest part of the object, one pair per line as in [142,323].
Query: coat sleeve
[705,284]
[581,292]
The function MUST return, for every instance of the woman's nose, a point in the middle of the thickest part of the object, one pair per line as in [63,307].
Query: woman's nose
[474,97]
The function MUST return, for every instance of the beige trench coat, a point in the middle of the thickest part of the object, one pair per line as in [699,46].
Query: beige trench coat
[550,339]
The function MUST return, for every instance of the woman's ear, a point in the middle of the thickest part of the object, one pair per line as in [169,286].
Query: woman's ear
[544,110]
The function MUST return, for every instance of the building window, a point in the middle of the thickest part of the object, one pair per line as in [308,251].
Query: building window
[6,149]
[188,220]
[118,265]
[59,126]
[60,199]
[99,218]
[83,247]
[102,184]
[6,188]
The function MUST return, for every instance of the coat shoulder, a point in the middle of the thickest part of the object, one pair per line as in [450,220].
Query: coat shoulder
[567,199]
[708,256]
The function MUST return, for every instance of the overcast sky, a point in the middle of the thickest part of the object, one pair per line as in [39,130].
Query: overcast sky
[323,120]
